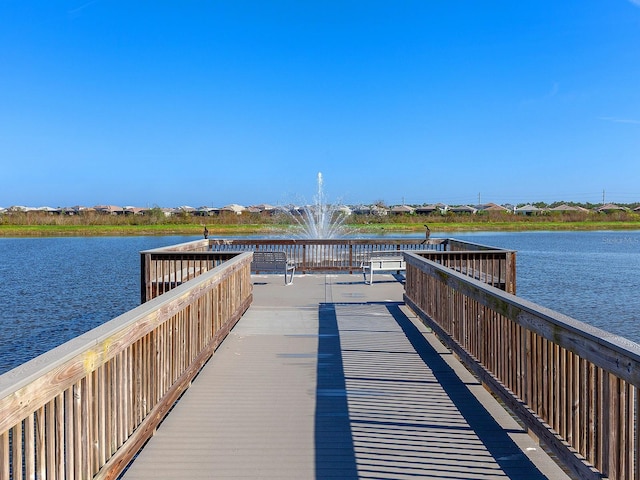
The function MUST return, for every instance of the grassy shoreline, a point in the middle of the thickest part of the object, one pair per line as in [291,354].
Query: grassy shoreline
[265,229]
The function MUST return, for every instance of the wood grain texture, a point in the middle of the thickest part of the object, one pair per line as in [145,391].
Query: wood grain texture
[89,405]
[574,385]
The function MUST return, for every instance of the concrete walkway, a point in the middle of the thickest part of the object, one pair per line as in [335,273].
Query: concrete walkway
[332,378]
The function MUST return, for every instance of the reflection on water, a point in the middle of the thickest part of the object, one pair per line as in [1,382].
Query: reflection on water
[54,289]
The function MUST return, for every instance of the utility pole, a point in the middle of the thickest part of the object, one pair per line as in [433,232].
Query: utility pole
[603,196]
[479,199]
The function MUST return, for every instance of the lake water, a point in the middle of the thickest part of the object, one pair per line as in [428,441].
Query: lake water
[54,289]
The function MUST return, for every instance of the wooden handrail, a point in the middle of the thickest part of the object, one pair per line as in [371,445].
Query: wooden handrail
[325,255]
[84,409]
[492,267]
[573,385]
[162,270]
[165,268]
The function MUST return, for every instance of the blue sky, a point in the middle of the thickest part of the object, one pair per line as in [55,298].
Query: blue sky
[215,102]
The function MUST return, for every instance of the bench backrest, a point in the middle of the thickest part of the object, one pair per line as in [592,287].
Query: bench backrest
[269,257]
[386,253]
[387,263]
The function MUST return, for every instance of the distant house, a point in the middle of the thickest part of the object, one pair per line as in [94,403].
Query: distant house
[17,209]
[41,210]
[528,210]
[362,210]
[263,208]
[492,207]
[463,209]
[206,211]
[297,209]
[78,210]
[109,209]
[611,207]
[344,210]
[133,210]
[402,210]
[564,208]
[185,210]
[379,210]
[234,208]
[369,210]
[436,208]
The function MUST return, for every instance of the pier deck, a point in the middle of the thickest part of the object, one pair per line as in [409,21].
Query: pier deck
[333,378]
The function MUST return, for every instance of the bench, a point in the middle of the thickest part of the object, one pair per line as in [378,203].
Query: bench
[274,262]
[383,262]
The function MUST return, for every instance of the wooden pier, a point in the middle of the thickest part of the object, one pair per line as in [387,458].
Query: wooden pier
[223,374]
[333,378]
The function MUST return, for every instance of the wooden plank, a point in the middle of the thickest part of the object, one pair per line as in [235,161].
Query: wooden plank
[49,459]
[29,447]
[565,341]
[18,448]
[616,354]
[70,441]
[4,455]
[40,467]
[222,416]
[60,468]
[593,397]
[614,446]
[70,362]
[145,430]
[529,418]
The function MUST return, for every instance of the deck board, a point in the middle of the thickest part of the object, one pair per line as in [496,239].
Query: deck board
[332,378]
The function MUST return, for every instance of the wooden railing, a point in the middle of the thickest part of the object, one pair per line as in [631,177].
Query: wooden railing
[84,409]
[164,269]
[573,385]
[327,255]
[492,267]
[455,245]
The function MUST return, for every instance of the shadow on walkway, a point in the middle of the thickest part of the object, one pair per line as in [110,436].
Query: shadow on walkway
[335,455]
[389,406]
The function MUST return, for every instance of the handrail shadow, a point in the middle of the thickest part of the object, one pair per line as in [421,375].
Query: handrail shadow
[334,449]
[372,418]
[496,439]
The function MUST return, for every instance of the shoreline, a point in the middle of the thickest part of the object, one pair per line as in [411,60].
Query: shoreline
[26,231]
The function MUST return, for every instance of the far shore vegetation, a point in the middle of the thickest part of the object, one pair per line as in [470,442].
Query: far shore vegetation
[34,224]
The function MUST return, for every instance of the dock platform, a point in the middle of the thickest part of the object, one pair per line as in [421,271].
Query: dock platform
[332,378]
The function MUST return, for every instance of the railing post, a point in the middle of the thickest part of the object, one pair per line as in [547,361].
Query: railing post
[108,389]
[304,258]
[571,384]
[143,277]
[510,274]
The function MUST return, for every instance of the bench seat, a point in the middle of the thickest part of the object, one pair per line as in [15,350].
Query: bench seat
[274,262]
[394,261]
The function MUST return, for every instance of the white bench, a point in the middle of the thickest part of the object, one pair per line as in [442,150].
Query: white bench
[274,262]
[383,262]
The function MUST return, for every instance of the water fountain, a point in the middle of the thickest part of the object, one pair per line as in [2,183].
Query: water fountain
[319,220]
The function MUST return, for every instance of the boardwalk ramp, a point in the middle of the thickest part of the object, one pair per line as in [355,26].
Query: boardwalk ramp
[332,378]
